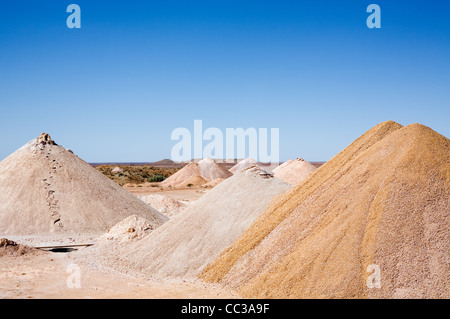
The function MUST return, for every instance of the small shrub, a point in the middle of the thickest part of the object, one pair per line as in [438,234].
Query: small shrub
[137,174]
[156,178]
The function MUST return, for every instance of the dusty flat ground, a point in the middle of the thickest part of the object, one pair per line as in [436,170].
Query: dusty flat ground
[184,194]
[44,274]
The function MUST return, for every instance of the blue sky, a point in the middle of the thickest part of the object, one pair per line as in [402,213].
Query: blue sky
[116,88]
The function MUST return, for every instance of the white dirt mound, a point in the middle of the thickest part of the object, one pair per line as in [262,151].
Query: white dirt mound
[46,189]
[117,170]
[131,228]
[191,240]
[210,170]
[295,171]
[164,204]
[282,165]
[207,169]
[243,164]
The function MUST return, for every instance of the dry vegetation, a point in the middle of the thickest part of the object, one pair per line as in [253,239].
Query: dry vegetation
[137,174]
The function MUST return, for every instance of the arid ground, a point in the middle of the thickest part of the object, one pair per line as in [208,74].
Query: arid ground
[44,274]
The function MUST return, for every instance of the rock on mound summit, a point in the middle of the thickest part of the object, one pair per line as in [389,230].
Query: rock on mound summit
[45,188]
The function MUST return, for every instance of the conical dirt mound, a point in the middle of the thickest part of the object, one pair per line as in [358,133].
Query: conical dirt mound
[243,164]
[45,188]
[164,204]
[131,228]
[191,240]
[382,202]
[295,172]
[210,170]
[182,176]
[207,169]
[276,169]
[195,181]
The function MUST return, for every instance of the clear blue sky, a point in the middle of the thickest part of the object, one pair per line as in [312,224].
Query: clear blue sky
[116,88]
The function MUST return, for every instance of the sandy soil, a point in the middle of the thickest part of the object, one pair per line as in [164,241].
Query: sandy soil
[188,194]
[45,275]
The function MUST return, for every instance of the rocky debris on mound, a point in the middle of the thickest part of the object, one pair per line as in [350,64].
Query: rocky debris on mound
[13,249]
[7,243]
[131,228]
[243,164]
[164,204]
[45,139]
[257,170]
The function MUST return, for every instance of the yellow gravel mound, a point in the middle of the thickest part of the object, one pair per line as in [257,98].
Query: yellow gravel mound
[384,201]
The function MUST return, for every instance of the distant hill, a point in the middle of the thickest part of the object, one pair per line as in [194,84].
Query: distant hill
[161,163]
[166,163]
